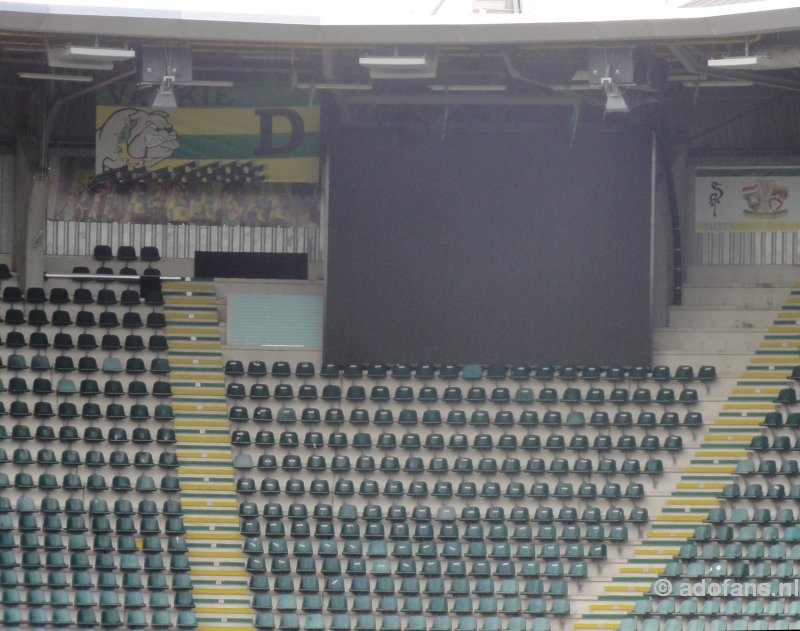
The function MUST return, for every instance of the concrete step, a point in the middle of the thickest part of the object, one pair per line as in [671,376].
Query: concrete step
[747,274]
[708,340]
[727,364]
[746,297]
[684,317]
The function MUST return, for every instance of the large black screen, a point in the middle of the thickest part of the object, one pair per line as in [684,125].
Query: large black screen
[483,247]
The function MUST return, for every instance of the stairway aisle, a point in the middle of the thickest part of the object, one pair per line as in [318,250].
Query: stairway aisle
[744,396]
[218,573]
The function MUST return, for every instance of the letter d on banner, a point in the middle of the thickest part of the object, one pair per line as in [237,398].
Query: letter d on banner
[266,145]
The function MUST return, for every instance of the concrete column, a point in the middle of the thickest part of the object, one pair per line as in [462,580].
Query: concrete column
[32,274]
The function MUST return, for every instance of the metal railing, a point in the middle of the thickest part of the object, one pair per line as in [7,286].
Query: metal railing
[747,248]
[180,241]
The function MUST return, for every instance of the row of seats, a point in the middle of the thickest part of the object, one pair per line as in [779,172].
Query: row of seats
[369,622]
[428,568]
[466,490]
[81,296]
[532,588]
[700,624]
[90,411]
[93,434]
[743,550]
[107,598]
[92,458]
[722,532]
[410,416]
[126,253]
[97,506]
[721,568]
[95,483]
[83,318]
[67,410]
[57,582]
[453,394]
[751,607]
[421,513]
[86,364]
[109,619]
[307,370]
[87,342]
[413,605]
[65,386]
[457,442]
[449,546]
[462,466]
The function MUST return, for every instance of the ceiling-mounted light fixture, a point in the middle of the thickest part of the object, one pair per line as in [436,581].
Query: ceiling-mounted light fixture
[778,59]
[165,96]
[467,88]
[615,100]
[107,54]
[334,86]
[86,57]
[400,66]
[721,83]
[46,76]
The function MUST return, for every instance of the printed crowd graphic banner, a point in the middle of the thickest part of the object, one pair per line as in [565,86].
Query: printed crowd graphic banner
[747,199]
[247,155]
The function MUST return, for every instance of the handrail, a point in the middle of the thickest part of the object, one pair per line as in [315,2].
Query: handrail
[131,277]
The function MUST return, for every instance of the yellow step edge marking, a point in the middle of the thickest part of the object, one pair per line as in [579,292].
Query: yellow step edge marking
[710,501]
[213,554]
[668,534]
[707,453]
[648,551]
[686,518]
[237,609]
[706,486]
[212,591]
[208,486]
[207,470]
[194,376]
[757,390]
[200,438]
[212,455]
[737,422]
[211,535]
[623,589]
[610,607]
[748,406]
[711,469]
[210,519]
[779,344]
[198,392]
[776,375]
[217,572]
[187,345]
[199,361]
[209,503]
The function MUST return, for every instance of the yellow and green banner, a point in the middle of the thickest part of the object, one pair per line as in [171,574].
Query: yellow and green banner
[241,156]
[272,128]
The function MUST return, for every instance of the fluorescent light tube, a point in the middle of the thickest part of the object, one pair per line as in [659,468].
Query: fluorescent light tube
[44,76]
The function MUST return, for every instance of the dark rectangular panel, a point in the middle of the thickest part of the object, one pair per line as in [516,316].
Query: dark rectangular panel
[490,246]
[250,265]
